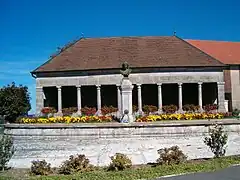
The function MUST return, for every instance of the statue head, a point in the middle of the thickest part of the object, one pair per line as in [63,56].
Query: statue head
[125,70]
[125,65]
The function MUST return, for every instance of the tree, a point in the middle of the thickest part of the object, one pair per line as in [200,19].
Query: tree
[217,140]
[6,150]
[14,101]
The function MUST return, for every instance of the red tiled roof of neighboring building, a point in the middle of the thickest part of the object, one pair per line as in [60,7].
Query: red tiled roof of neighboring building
[108,53]
[226,52]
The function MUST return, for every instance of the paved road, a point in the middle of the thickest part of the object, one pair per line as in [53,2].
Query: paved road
[232,173]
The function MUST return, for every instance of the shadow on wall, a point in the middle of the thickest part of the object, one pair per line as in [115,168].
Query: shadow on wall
[209,93]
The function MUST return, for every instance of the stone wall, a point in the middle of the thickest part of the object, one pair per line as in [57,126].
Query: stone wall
[55,143]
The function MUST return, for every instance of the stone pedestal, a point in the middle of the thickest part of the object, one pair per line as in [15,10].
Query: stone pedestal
[39,100]
[126,100]
[221,97]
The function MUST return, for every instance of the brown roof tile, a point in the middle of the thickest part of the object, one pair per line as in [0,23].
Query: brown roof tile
[105,53]
[226,52]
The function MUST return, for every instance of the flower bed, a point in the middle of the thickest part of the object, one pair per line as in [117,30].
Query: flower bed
[66,119]
[186,116]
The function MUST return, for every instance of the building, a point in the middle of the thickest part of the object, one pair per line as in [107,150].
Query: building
[229,54]
[165,70]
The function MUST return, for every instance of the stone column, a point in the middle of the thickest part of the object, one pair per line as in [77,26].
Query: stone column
[39,100]
[159,98]
[79,100]
[99,100]
[200,96]
[126,92]
[59,99]
[180,97]
[119,99]
[221,97]
[139,90]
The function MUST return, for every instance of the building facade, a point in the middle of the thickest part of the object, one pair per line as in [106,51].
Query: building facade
[229,54]
[165,70]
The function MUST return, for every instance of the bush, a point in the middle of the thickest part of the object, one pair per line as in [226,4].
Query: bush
[40,167]
[88,111]
[149,109]
[217,140]
[210,107]
[6,150]
[119,162]
[172,155]
[169,109]
[236,112]
[47,110]
[69,111]
[78,163]
[108,109]
[134,108]
[190,108]
[14,101]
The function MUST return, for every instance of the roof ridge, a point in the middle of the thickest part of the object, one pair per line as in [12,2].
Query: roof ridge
[119,37]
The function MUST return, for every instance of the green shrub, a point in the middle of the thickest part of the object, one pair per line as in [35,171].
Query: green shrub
[172,155]
[119,162]
[236,112]
[217,140]
[78,163]
[40,167]
[14,101]
[6,150]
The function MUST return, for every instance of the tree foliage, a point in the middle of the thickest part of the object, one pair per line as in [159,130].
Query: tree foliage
[6,150]
[217,140]
[14,101]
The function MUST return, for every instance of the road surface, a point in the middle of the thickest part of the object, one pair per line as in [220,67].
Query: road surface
[232,173]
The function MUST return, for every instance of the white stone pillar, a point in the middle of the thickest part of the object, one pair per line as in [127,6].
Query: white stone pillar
[126,92]
[99,100]
[180,97]
[159,97]
[119,99]
[139,90]
[59,99]
[79,100]
[39,100]
[200,96]
[221,97]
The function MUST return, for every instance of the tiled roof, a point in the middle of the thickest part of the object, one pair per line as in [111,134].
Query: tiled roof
[226,52]
[108,53]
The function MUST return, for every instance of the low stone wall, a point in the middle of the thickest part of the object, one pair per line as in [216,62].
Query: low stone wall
[140,141]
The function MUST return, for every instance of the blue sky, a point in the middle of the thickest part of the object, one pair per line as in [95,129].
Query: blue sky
[30,31]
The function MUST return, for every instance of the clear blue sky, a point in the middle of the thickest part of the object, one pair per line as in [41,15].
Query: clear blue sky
[31,30]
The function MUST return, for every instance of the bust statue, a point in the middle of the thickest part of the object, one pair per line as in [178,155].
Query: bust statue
[125,70]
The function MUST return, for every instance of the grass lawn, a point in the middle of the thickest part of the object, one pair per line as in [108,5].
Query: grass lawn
[136,173]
